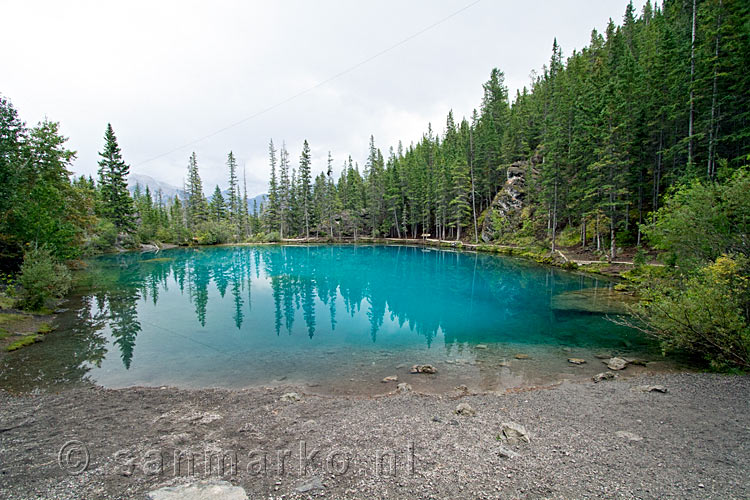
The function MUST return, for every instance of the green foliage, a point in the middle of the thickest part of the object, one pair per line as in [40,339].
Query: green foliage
[212,232]
[702,220]
[23,342]
[45,328]
[115,203]
[105,237]
[42,277]
[706,312]
[639,259]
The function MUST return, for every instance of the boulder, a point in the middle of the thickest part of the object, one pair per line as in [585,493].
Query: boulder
[604,376]
[201,490]
[615,363]
[403,387]
[513,433]
[465,410]
[423,369]
[290,397]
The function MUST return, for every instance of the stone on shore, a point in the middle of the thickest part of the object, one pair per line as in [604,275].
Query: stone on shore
[201,490]
[513,433]
[403,387]
[390,378]
[465,409]
[616,363]
[429,369]
[291,397]
[604,376]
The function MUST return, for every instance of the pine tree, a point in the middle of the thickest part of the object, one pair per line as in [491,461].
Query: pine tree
[116,203]
[305,188]
[272,208]
[217,207]
[197,209]
[234,191]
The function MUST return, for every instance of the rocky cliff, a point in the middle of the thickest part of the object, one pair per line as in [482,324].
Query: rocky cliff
[504,213]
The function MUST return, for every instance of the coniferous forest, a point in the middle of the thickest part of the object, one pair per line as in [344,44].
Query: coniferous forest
[614,145]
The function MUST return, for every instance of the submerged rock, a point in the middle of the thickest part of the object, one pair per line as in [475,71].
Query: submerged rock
[465,409]
[403,387]
[576,361]
[390,378]
[201,490]
[593,300]
[513,433]
[616,364]
[604,376]
[522,356]
[481,346]
[290,397]
[429,369]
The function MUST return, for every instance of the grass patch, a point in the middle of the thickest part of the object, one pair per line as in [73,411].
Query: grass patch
[3,334]
[45,328]
[23,342]
[6,302]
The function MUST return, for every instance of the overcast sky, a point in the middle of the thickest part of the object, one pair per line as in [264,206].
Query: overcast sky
[168,73]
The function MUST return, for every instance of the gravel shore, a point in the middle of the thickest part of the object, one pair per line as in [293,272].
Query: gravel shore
[586,440]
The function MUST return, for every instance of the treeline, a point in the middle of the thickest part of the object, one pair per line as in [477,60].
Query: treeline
[660,100]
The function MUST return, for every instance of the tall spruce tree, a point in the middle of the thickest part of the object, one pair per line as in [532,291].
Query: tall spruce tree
[305,187]
[115,201]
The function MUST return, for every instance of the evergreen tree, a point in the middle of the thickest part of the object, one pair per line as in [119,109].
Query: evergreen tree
[217,207]
[305,188]
[197,208]
[116,203]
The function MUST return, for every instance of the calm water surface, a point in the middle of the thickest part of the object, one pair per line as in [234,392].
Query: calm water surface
[336,319]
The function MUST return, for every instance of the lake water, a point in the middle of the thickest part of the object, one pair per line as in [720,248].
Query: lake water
[334,319]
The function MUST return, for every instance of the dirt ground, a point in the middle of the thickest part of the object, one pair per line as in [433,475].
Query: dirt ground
[586,440]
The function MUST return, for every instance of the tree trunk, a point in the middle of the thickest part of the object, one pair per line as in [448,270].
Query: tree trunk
[692,80]
[471,169]
[712,129]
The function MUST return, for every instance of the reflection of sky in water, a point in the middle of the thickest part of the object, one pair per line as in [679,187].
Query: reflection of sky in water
[238,316]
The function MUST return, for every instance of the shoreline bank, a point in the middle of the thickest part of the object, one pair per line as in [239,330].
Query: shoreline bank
[605,440]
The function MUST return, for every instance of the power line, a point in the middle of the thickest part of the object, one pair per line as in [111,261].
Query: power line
[317,85]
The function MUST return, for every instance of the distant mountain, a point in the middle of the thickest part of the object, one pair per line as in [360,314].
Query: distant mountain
[168,191]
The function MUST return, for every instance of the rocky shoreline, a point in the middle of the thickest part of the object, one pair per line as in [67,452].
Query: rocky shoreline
[614,439]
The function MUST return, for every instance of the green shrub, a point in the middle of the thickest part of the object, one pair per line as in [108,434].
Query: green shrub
[213,233]
[42,277]
[273,237]
[639,258]
[105,237]
[705,312]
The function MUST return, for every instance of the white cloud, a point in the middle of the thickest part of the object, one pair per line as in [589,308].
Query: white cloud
[167,73]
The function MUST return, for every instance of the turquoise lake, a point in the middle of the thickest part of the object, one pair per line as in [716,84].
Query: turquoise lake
[336,319]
